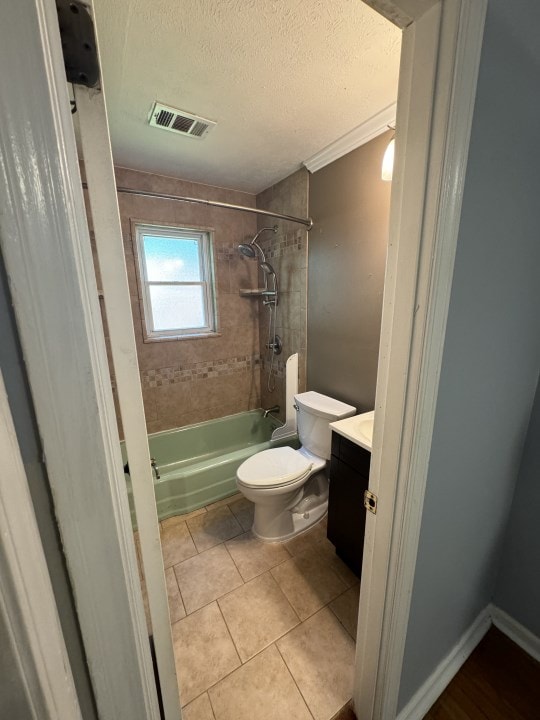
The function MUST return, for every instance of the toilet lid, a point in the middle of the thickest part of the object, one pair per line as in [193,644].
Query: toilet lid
[270,468]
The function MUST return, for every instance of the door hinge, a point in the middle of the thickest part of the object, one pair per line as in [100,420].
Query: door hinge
[370,502]
[78,42]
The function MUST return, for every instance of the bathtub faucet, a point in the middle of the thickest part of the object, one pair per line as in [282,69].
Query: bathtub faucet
[155,467]
[274,409]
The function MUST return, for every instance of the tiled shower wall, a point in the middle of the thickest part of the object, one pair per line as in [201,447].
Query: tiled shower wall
[192,380]
[286,251]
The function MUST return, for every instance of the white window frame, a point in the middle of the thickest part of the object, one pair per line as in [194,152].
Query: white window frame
[205,240]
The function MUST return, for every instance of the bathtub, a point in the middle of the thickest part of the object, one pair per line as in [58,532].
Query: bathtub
[197,463]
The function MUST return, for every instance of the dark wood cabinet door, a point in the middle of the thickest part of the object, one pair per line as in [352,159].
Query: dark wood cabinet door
[346,512]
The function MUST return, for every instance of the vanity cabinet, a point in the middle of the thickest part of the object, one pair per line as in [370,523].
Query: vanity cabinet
[349,478]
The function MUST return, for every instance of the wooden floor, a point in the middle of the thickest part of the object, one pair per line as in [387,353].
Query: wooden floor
[498,682]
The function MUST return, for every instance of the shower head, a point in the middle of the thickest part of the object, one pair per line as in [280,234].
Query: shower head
[247,250]
[267,268]
[250,249]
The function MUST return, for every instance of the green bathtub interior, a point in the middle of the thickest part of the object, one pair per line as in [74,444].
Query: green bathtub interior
[198,463]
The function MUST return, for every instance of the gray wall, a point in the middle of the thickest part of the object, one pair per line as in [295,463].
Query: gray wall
[350,206]
[20,402]
[491,352]
[518,584]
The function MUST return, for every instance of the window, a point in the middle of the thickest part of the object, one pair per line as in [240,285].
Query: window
[175,266]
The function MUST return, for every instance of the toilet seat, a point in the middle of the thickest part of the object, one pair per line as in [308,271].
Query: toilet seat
[274,468]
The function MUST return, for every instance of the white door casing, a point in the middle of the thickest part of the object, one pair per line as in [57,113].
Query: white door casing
[99,169]
[438,75]
[27,601]
[46,249]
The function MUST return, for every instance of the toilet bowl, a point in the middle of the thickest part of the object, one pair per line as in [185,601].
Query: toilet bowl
[289,488]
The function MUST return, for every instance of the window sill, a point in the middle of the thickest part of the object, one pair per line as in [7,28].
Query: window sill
[194,336]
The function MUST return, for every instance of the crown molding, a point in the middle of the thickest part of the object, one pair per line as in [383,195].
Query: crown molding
[368,130]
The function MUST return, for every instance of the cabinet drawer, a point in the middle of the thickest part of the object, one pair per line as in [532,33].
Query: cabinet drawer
[351,454]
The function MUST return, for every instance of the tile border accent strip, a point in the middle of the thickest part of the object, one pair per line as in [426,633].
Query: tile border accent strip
[158,377]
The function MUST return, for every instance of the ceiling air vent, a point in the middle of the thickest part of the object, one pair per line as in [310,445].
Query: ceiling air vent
[179,121]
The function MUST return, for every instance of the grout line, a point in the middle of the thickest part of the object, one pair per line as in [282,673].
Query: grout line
[211,706]
[205,692]
[219,596]
[340,621]
[230,634]
[180,593]
[234,562]
[293,678]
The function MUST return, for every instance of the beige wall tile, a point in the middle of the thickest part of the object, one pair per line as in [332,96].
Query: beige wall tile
[150,404]
[236,389]
[262,689]
[320,655]
[240,322]
[288,196]
[172,401]
[203,651]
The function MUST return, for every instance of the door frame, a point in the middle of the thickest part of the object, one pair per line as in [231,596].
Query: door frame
[46,248]
[45,243]
[441,47]
[27,603]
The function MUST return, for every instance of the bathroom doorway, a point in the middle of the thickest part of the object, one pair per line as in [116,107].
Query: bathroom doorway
[381,547]
[264,601]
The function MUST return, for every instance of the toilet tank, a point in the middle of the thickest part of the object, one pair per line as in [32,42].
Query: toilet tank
[315,412]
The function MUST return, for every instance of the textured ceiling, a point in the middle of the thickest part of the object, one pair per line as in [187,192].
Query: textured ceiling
[282,78]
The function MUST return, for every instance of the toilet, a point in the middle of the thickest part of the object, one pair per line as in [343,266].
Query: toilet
[289,488]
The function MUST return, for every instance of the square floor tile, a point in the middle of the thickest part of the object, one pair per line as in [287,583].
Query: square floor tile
[320,655]
[203,650]
[308,539]
[345,608]
[309,582]
[253,557]
[257,614]
[184,516]
[262,689]
[224,501]
[176,606]
[206,577]
[213,527]
[199,709]
[176,541]
[243,510]
[328,551]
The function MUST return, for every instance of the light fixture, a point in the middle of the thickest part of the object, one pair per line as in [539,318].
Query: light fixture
[388,161]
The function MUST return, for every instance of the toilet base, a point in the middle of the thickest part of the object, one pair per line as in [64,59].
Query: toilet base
[275,523]
[300,524]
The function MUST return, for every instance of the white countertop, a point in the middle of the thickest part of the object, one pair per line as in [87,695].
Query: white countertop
[358,429]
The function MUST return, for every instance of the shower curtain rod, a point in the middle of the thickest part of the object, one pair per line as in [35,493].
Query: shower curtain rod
[308,222]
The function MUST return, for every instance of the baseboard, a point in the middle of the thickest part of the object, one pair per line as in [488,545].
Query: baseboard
[424,698]
[515,631]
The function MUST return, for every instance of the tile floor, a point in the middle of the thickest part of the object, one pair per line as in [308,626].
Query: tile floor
[261,631]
